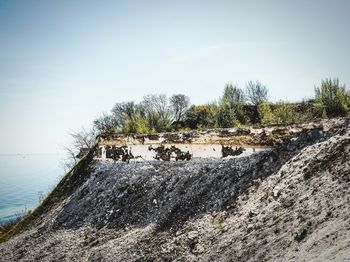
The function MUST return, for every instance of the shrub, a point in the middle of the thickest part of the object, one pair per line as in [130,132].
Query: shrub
[202,116]
[235,96]
[226,115]
[284,114]
[136,125]
[265,114]
[332,97]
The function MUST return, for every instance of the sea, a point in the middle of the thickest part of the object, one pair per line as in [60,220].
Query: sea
[25,180]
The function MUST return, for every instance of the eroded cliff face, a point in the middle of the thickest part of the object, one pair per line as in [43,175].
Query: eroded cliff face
[248,136]
[288,203]
[212,143]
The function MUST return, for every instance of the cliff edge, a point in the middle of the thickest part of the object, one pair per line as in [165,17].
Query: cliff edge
[287,203]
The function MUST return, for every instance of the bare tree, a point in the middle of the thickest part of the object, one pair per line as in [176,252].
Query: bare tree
[157,111]
[179,104]
[123,112]
[83,138]
[105,123]
[70,160]
[82,142]
[256,93]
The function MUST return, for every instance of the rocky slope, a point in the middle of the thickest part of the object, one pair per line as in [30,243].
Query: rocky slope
[289,203]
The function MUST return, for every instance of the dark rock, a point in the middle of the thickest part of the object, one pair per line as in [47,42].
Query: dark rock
[167,153]
[229,151]
[116,153]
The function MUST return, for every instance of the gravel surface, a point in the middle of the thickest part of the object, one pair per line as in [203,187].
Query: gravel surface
[289,203]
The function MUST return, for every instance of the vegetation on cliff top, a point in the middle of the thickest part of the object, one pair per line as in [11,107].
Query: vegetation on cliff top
[236,107]
[251,106]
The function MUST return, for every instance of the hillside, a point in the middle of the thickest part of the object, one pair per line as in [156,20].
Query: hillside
[289,202]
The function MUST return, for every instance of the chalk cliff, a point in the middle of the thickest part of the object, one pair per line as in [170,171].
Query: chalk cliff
[290,202]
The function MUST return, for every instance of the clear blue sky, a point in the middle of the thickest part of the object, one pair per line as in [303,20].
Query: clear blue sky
[64,62]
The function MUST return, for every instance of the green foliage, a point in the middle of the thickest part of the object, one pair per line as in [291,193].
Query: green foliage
[226,115]
[284,114]
[202,116]
[236,97]
[332,98]
[281,113]
[136,125]
[315,111]
[265,114]
[233,94]
[124,111]
[157,113]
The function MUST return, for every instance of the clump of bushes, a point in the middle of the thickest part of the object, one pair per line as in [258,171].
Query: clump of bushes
[236,107]
[226,116]
[202,116]
[281,113]
[137,125]
[265,114]
[332,98]
[157,113]
[284,114]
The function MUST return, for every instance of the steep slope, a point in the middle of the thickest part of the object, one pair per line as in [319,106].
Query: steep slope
[290,203]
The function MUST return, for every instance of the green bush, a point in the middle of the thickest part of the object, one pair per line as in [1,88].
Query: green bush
[136,125]
[157,113]
[226,115]
[284,114]
[236,97]
[265,114]
[331,98]
[155,121]
[202,116]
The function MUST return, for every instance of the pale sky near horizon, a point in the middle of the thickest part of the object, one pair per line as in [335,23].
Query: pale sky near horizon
[62,63]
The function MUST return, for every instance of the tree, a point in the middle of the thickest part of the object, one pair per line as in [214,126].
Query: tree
[70,160]
[235,96]
[83,138]
[179,105]
[256,93]
[226,115]
[82,142]
[123,112]
[202,116]
[157,112]
[105,124]
[332,97]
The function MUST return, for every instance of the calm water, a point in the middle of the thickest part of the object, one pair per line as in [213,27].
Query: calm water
[24,179]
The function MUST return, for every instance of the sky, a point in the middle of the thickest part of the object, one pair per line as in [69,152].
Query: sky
[62,63]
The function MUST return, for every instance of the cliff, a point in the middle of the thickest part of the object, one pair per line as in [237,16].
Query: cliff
[289,202]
